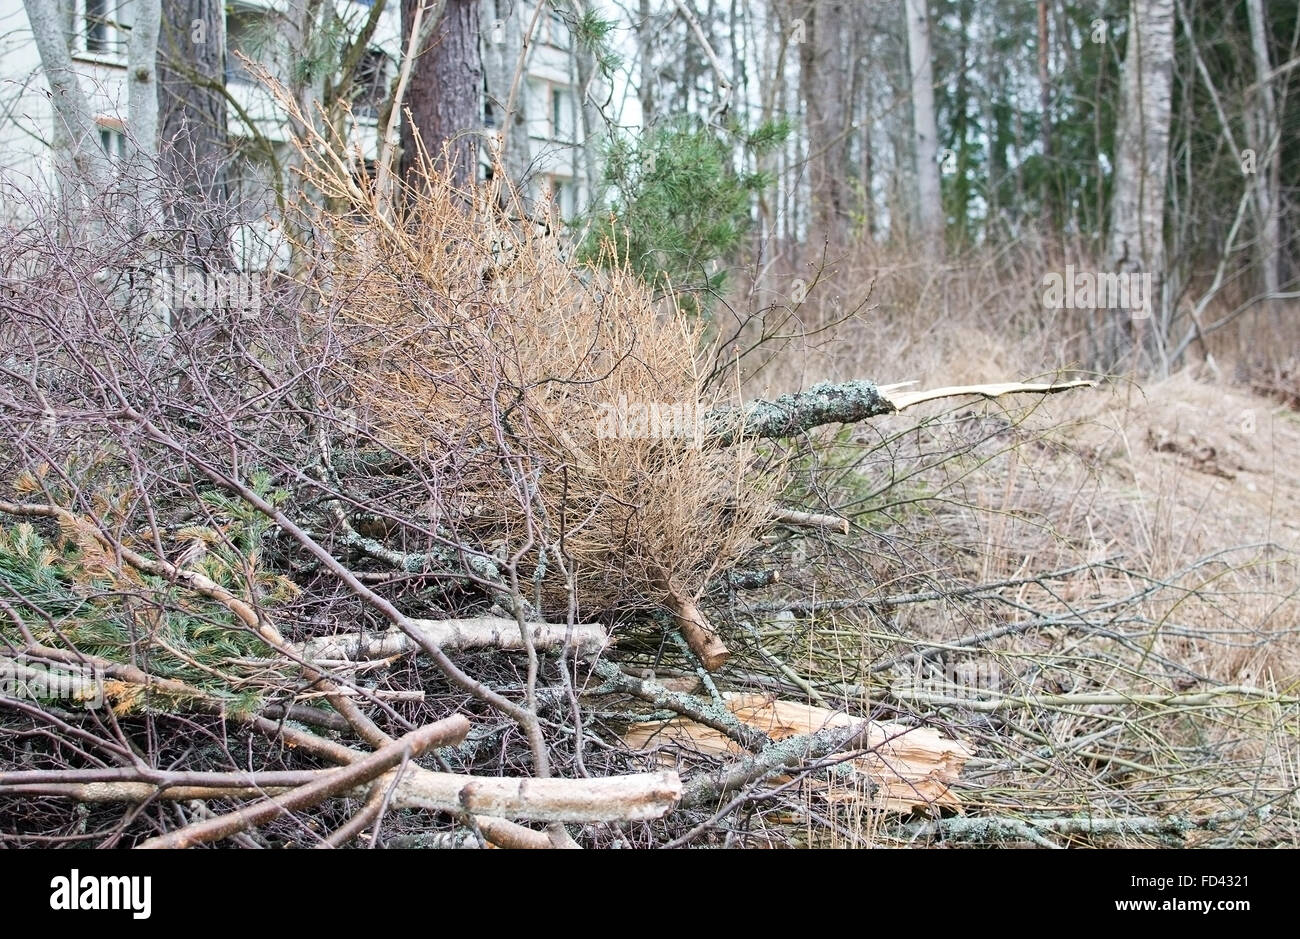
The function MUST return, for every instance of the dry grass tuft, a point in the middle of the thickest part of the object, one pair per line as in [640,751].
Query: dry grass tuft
[470,343]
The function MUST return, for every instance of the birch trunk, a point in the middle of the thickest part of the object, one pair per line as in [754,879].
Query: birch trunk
[81,162]
[924,128]
[1137,215]
[1267,149]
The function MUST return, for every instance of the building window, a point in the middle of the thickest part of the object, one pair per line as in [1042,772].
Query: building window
[371,87]
[563,115]
[104,26]
[114,144]
[563,195]
[96,25]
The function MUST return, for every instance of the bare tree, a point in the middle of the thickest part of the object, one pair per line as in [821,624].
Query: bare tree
[444,93]
[1142,158]
[824,64]
[926,134]
[645,38]
[1045,118]
[195,150]
[586,69]
[1268,149]
[82,161]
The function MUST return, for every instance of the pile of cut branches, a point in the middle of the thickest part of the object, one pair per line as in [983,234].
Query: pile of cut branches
[370,552]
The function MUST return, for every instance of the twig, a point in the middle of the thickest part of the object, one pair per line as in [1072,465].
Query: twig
[1190,699]
[710,715]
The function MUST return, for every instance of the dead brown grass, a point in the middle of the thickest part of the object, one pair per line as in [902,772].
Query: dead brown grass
[470,341]
[1189,484]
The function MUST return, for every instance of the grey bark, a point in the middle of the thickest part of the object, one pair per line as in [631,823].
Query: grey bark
[1045,105]
[142,83]
[1268,150]
[823,71]
[503,39]
[83,161]
[645,50]
[585,67]
[924,128]
[194,151]
[1136,242]
[792,414]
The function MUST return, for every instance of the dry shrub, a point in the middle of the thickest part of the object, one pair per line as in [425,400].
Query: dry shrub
[471,343]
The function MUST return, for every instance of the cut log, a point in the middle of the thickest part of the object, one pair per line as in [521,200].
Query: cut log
[446,732]
[637,797]
[810,520]
[911,767]
[486,632]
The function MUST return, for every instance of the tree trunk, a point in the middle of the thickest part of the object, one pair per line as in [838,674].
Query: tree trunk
[645,52]
[1045,106]
[81,161]
[194,151]
[443,97]
[1141,171]
[925,130]
[503,34]
[142,82]
[1268,150]
[585,66]
[823,69]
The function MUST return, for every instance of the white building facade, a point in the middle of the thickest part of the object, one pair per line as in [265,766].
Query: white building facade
[99,30]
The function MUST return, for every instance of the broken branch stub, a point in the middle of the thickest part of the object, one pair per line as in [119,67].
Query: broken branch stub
[697,632]
[910,767]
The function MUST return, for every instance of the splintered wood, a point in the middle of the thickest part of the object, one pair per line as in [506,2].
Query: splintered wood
[911,768]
